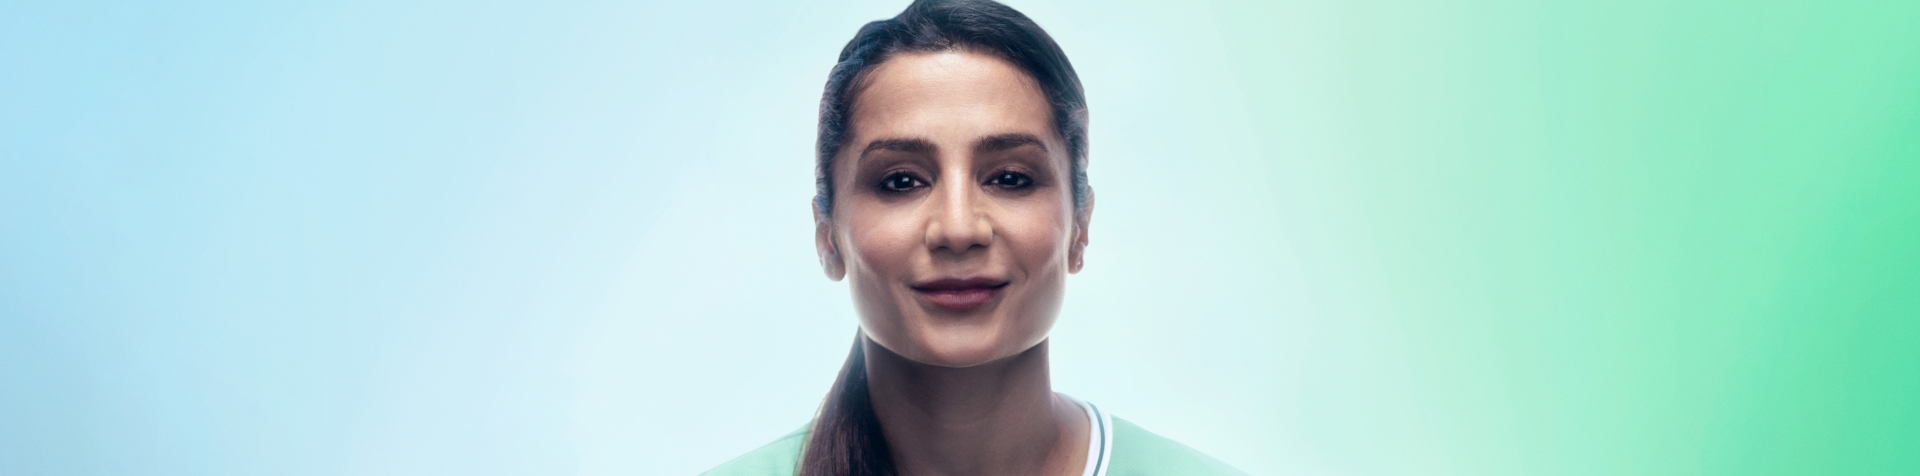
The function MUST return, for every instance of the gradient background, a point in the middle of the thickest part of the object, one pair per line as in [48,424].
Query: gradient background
[1368,238]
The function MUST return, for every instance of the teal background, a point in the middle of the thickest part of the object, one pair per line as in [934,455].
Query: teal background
[1482,237]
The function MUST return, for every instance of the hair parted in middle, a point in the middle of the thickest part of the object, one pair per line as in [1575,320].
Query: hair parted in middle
[980,26]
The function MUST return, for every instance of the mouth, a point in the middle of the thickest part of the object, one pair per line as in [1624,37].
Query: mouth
[960,294]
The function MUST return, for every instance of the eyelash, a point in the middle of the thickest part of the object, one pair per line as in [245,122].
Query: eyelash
[1021,181]
[903,182]
[888,184]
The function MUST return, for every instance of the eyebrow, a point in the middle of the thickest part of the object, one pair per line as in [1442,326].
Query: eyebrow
[993,143]
[913,146]
[1010,141]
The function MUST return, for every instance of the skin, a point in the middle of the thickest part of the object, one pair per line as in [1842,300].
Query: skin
[953,170]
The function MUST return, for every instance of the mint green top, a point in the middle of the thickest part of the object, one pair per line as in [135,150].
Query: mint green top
[1117,448]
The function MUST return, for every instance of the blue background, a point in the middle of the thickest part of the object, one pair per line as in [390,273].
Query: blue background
[1377,237]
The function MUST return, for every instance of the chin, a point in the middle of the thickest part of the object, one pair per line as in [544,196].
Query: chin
[966,347]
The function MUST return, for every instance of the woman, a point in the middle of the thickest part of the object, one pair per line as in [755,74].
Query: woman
[953,198]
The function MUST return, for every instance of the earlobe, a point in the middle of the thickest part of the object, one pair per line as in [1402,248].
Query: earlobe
[830,260]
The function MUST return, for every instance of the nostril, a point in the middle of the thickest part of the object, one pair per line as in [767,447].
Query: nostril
[959,235]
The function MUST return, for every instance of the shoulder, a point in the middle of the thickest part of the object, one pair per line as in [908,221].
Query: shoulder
[1138,452]
[779,458]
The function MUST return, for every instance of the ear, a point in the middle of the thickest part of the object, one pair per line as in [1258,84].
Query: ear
[830,260]
[1077,253]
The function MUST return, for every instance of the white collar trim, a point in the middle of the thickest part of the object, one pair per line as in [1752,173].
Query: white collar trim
[1099,438]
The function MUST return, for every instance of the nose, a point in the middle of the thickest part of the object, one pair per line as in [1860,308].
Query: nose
[959,223]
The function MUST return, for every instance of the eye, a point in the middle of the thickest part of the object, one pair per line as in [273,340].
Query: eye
[1011,180]
[900,182]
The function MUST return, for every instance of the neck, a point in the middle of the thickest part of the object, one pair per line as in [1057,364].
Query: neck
[1001,417]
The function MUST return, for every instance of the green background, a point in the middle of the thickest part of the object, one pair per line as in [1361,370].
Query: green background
[1606,237]
[1350,238]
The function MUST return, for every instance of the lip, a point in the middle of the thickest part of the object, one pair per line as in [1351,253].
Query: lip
[960,294]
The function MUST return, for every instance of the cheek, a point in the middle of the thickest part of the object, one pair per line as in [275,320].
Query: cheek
[1038,236]
[882,242]
[1038,242]
[880,249]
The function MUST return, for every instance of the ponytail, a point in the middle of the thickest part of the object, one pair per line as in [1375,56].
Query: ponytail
[846,438]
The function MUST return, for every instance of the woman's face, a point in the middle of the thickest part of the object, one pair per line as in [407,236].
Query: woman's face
[953,215]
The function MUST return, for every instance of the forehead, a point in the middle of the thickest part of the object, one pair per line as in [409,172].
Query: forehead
[949,96]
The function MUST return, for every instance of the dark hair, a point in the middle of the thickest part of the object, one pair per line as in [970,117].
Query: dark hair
[846,438]
[940,25]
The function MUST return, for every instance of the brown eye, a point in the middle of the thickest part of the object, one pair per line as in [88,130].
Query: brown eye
[1013,180]
[900,182]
